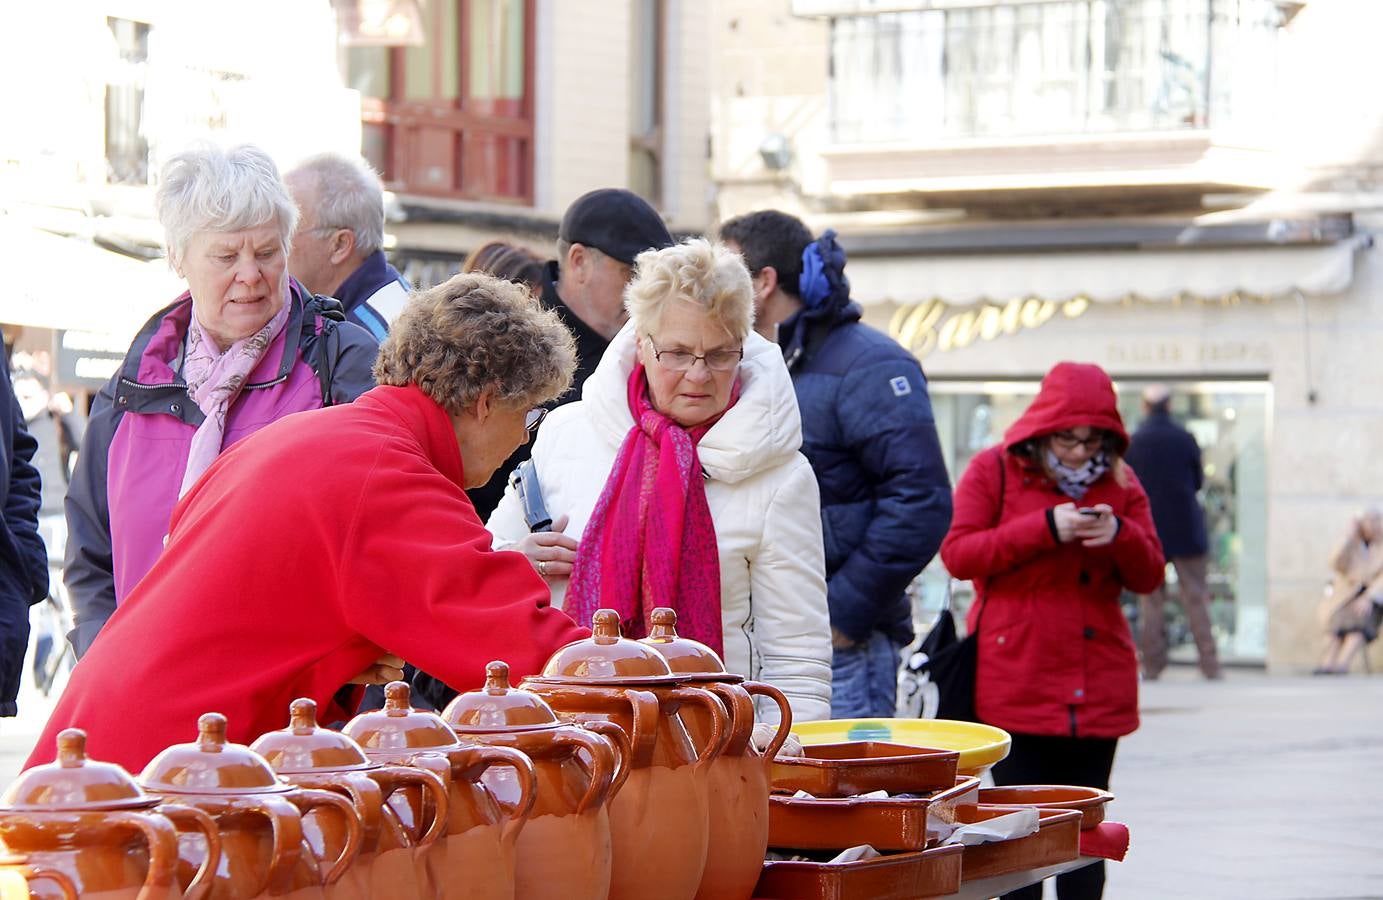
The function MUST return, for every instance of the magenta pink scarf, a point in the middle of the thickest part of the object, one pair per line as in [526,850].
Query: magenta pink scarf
[650,541]
[214,380]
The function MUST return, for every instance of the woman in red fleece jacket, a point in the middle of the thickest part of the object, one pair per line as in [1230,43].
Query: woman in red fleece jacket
[1051,527]
[330,538]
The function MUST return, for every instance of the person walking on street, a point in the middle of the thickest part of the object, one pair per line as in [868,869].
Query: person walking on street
[1051,526]
[337,247]
[23,558]
[1168,462]
[869,435]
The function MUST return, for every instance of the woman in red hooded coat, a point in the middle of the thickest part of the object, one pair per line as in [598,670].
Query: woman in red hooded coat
[1051,527]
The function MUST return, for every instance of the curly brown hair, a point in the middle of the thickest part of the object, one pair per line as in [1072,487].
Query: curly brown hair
[475,331]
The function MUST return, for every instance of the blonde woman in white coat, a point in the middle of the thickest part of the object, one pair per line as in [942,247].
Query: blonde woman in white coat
[716,405]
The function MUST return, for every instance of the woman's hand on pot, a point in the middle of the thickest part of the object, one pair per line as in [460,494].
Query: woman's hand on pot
[382,671]
[1098,530]
[552,553]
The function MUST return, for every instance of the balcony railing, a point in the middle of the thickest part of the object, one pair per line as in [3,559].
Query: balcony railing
[1054,68]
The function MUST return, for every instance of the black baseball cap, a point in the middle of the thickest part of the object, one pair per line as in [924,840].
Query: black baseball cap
[617,222]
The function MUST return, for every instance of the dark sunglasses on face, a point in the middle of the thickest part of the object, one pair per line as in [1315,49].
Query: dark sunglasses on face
[1068,441]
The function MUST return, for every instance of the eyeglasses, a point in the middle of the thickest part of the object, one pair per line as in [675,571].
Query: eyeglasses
[1068,441]
[534,417]
[723,360]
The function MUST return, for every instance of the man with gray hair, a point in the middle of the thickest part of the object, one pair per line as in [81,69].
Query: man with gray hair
[337,248]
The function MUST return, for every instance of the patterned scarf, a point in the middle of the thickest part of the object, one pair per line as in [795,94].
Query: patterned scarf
[1075,482]
[650,541]
[214,380]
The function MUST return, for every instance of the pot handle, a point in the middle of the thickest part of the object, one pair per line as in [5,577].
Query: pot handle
[307,800]
[193,819]
[603,767]
[286,824]
[622,747]
[162,839]
[477,758]
[719,719]
[760,689]
[741,706]
[39,873]
[644,707]
[393,777]
[364,794]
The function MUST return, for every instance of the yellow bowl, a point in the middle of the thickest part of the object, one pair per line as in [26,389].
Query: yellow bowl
[980,746]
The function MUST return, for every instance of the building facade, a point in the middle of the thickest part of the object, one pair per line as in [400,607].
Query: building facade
[1177,190]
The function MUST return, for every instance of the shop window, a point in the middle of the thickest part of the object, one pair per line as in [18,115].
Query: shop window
[1229,420]
[452,115]
[646,63]
[1059,67]
[127,149]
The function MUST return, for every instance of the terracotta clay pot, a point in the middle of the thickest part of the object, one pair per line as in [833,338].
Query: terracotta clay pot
[662,805]
[16,879]
[563,852]
[260,818]
[475,861]
[740,780]
[86,828]
[308,756]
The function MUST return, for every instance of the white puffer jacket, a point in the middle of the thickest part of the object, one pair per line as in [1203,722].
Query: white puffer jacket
[763,499]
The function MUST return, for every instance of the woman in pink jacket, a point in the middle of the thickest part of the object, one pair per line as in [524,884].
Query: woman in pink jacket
[1051,526]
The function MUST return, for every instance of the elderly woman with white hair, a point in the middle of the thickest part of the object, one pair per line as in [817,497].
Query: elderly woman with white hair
[680,473]
[243,347]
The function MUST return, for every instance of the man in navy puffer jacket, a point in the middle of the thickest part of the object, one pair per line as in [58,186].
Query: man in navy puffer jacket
[869,434]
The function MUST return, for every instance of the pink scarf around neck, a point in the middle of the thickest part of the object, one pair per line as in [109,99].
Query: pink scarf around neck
[650,541]
[214,380]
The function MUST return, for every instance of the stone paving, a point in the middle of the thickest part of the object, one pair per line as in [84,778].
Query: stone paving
[1254,787]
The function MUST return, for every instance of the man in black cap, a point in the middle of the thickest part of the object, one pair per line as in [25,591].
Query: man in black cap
[601,234]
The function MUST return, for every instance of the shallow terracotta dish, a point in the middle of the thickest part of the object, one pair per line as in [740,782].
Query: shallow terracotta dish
[859,767]
[980,746]
[1057,840]
[896,823]
[1087,801]
[899,876]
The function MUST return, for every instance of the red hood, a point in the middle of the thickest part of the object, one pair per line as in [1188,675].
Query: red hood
[1072,394]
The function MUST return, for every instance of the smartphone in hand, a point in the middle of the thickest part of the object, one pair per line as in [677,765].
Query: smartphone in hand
[1088,511]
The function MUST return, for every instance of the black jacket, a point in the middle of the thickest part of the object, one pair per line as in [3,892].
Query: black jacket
[23,558]
[1167,460]
[868,431]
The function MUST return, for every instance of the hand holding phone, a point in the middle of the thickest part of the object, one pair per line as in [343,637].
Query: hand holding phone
[1089,511]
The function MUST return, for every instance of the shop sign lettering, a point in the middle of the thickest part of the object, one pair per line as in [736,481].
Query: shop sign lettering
[933,326]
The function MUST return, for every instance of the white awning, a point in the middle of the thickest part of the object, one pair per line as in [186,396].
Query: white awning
[1104,276]
[69,283]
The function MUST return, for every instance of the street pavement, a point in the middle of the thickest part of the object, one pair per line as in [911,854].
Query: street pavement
[1252,787]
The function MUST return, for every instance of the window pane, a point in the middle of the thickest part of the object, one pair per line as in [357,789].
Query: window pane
[496,62]
[367,70]
[449,49]
[643,66]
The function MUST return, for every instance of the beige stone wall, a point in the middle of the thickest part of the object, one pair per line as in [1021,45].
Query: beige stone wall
[582,75]
[770,76]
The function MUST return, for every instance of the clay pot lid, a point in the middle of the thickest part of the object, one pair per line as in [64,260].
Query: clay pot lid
[304,747]
[606,657]
[211,765]
[73,782]
[398,727]
[684,656]
[499,707]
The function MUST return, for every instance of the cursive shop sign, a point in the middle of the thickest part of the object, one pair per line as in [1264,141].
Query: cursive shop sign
[934,326]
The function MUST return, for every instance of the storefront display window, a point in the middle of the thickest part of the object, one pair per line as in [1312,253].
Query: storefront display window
[1229,419]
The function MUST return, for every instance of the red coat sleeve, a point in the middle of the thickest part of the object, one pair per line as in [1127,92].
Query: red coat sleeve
[975,547]
[1137,551]
[420,580]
